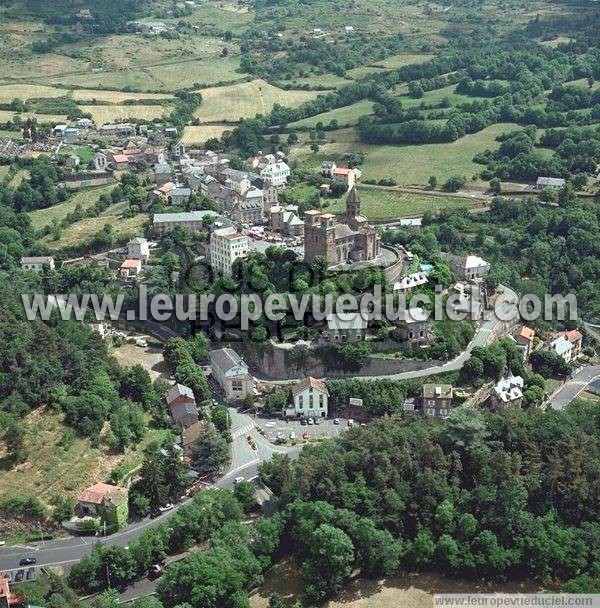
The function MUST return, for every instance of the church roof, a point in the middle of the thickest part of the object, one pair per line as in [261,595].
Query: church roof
[353,196]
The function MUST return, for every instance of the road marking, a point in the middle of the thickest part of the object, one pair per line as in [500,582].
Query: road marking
[242,431]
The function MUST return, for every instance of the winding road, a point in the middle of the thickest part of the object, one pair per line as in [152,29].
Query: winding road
[486,330]
[572,387]
[65,552]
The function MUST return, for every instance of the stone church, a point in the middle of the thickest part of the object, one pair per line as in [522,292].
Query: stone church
[340,238]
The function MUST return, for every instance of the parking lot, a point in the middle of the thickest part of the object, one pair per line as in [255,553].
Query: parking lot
[273,429]
[22,574]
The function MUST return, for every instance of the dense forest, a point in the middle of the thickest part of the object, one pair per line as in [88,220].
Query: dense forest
[478,495]
[533,248]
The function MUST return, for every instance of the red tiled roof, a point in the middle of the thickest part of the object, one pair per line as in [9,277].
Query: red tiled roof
[526,332]
[120,158]
[95,494]
[131,264]
[310,382]
[572,336]
[341,171]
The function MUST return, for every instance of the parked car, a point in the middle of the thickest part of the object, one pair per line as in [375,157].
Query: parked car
[305,435]
[292,435]
[8,576]
[350,422]
[281,436]
[166,508]
[238,479]
[310,422]
[303,422]
[20,575]
[30,574]
[336,421]
[27,561]
[317,421]
[154,571]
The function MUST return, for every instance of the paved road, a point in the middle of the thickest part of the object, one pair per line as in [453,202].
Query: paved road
[571,388]
[245,463]
[487,328]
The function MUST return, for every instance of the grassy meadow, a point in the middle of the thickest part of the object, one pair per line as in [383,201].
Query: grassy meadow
[245,100]
[348,115]
[415,164]
[60,463]
[86,198]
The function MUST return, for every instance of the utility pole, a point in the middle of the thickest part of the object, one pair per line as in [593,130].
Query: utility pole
[41,534]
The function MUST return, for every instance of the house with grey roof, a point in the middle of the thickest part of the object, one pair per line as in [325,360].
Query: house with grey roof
[163,173]
[549,182]
[231,374]
[37,263]
[192,221]
[347,326]
[182,405]
[180,196]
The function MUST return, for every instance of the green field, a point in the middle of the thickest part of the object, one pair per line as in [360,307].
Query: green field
[415,164]
[245,100]
[348,115]
[81,232]
[86,198]
[436,97]
[167,77]
[397,61]
[56,466]
[383,204]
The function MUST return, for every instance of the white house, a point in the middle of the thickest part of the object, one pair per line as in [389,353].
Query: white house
[467,267]
[562,346]
[100,161]
[130,269]
[37,263]
[508,392]
[309,399]
[231,373]
[138,249]
[410,281]
[276,174]
[226,246]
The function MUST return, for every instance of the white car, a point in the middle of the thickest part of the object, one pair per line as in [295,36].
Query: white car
[238,479]
[310,421]
[350,422]
[166,508]
[292,435]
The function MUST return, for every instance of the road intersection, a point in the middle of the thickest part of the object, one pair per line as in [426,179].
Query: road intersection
[65,552]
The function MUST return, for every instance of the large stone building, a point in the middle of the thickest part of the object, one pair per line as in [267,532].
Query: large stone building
[340,238]
[226,246]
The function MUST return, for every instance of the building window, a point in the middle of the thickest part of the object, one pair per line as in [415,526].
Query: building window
[431,411]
